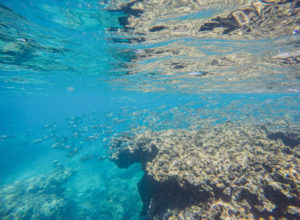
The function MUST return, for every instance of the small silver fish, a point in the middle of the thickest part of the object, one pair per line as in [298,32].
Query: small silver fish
[37,140]
[54,145]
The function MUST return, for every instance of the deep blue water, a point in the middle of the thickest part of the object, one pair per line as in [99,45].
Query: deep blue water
[62,80]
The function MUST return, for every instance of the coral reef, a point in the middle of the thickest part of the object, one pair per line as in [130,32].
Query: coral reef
[39,197]
[230,170]
[73,194]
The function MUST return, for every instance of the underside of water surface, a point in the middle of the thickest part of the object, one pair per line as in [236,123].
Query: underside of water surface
[149,109]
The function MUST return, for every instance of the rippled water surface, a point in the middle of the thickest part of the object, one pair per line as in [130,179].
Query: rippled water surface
[198,100]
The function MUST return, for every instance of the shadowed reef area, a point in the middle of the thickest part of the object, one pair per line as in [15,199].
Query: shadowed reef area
[230,170]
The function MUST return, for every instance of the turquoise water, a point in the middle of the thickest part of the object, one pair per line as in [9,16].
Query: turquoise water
[69,83]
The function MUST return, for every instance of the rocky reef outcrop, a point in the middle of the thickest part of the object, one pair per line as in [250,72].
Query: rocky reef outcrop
[230,170]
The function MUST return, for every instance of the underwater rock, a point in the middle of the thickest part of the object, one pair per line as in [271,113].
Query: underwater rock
[39,197]
[230,170]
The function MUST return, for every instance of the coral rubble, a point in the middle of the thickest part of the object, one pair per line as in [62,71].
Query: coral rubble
[229,170]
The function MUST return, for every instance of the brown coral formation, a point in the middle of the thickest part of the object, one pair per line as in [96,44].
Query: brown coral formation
[229,170]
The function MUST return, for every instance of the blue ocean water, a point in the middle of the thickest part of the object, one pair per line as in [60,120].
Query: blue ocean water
[68,85]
